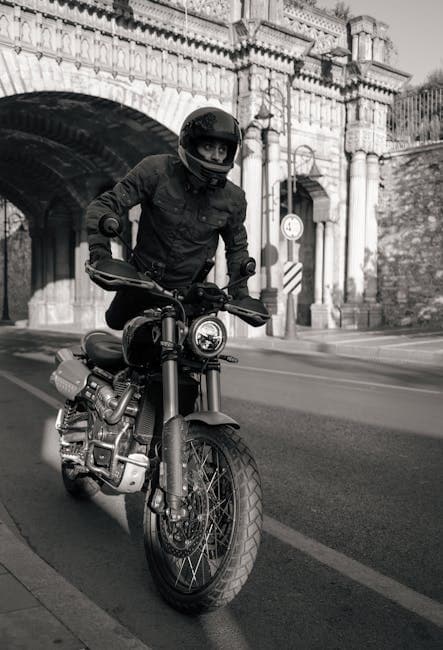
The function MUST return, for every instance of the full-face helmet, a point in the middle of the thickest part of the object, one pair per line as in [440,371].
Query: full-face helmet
[205,124]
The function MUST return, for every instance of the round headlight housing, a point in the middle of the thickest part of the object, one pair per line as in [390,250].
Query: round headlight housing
[207,336]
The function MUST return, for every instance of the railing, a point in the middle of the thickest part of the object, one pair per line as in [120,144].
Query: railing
[416,118]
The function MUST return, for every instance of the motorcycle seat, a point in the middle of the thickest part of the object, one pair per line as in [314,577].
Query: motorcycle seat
[104,350]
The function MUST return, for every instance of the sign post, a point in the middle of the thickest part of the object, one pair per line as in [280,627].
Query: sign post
[292,229]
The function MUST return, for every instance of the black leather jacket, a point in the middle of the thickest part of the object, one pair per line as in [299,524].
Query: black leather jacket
[179,226]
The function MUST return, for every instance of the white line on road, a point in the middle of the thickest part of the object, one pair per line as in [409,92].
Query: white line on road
[396,592]
[338,379]
[44,397]
[356,339]
[425,607]
[439,340]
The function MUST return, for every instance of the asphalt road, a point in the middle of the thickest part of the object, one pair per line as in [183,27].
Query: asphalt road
[350,455]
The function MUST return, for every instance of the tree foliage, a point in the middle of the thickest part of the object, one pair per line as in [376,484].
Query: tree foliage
[434,79]
[342,10]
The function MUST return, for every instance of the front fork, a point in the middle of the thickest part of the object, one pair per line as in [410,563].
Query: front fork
[173,480]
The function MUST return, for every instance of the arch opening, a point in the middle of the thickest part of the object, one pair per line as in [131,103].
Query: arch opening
[312,204]
[58,150]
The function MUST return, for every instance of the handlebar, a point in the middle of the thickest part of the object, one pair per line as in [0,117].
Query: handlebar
[113,281]
[117,274]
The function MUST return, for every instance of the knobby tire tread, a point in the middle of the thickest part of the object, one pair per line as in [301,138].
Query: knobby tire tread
[247,531]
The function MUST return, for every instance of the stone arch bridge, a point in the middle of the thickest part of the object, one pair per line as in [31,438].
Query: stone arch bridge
[89,87]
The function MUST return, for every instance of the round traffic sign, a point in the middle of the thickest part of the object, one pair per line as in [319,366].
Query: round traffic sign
[292,226]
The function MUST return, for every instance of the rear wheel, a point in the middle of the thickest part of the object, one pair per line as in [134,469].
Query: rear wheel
[79,486]
[202,562]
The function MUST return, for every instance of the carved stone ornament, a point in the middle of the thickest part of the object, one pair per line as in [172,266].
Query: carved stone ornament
[358,138]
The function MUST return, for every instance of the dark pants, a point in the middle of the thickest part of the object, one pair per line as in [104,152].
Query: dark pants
[126,304]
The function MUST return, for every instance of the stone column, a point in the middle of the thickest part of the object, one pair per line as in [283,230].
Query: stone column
[356,236]
[318,279]
[371,236]
[252,184]
[62,309]
[371,228]
[84,316]
[355,47]
[354,313]
[36,307]
[49,274]
[319,310]
[274,274]
[328,265]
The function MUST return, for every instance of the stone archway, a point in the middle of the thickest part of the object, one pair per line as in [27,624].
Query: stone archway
[59,150]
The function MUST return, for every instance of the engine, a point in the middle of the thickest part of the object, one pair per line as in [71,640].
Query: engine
[97,424]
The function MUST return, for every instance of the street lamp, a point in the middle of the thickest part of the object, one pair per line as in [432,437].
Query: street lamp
[8,223]
[269,295]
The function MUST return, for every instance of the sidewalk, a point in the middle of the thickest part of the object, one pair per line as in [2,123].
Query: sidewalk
[403,345]
[40,610]
[422,346]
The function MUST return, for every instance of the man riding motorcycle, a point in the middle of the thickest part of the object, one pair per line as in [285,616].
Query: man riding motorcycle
[186,203]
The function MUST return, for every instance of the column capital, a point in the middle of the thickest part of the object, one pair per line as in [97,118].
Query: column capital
[252,132]
[272,136]
[252,143]
[358,138]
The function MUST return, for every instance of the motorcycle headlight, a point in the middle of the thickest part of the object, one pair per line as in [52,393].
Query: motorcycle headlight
[207,336]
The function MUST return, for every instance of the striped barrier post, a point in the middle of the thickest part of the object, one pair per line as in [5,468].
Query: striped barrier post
[292,277]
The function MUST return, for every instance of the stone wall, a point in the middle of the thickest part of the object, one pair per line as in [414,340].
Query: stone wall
[19,274]
[410,248]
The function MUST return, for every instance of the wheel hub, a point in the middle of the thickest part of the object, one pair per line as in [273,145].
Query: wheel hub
[183,537]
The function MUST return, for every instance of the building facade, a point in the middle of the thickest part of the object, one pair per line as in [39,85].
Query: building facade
[89,87]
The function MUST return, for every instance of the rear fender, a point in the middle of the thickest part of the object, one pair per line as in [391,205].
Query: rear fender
[213,418]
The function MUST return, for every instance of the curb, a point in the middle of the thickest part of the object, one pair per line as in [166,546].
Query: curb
[70,611]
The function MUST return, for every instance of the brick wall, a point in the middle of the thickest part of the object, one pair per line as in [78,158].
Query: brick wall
[410,249]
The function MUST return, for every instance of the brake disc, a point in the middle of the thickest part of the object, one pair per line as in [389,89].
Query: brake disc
[182,538]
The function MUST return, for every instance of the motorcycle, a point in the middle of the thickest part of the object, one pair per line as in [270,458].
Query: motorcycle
[144,414]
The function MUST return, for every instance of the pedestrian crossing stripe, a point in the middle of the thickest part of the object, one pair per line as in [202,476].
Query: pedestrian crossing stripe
[292,277]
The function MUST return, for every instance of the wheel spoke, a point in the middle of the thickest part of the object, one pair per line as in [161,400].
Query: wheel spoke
[180,572]
[213,502]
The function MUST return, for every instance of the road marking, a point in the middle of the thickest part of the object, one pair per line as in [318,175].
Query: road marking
[396,592]
[44,397]
[356,339]
[338,379]
[411,600]
[425,342]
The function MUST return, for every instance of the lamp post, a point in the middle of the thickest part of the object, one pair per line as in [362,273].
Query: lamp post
[6,320]
[269,294]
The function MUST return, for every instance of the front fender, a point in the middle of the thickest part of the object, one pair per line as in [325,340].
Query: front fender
[213,418]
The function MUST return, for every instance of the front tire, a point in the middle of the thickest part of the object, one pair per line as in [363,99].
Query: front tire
[202,563]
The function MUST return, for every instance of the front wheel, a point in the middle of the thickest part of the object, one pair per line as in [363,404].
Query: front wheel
[202,562]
